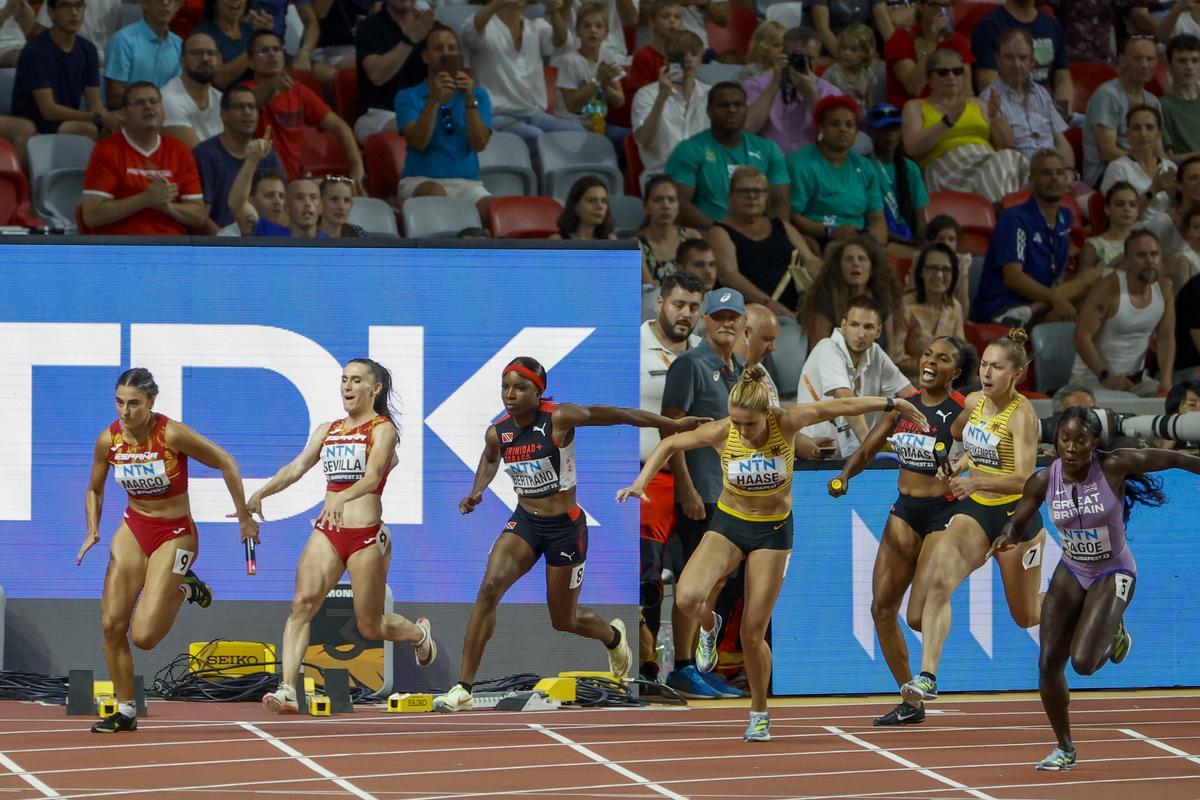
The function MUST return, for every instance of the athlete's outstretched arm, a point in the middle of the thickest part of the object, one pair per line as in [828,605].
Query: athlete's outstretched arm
[858,461]
[291,473]
[1152,459]
[489,463]
[805,414]
[383,450]
[710,434]
[93,500]
[187,441]
[1032,497]
[568,416]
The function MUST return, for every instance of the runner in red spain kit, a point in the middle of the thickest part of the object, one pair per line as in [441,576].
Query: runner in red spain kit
[150,563]
[356,454]
[535,440]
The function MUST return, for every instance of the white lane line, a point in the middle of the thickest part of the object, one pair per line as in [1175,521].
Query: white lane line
[928,773]
[599,759]
[29,778]
[1160,745]
[306,761]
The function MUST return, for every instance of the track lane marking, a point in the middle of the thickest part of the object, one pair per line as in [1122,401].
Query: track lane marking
[901,760]
[1160,745]
[28,777]
[599,759]
[306,761]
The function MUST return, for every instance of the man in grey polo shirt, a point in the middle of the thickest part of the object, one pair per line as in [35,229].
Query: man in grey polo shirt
[698,384]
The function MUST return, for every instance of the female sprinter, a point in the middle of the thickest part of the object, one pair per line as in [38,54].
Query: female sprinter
[536,441]
[753,520]
[1090,495]
[925,504]
[156,545]
[356,455]
[1000,435]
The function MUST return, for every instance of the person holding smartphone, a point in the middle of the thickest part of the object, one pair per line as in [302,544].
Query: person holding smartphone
[782,99]
[908,48]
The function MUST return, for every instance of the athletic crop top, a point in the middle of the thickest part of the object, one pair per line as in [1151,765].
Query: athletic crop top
[1089,516]
[345,452]
[753,472]
[538,465]
[148,471]
[914,447]
[988,441]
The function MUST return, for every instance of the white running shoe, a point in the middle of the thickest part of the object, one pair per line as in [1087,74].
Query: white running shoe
[457,699]
[282,700]
[426,641]
[619,657]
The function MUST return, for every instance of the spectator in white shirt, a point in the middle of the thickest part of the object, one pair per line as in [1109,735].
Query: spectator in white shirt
[589,82]
[850,363]
[671,109]
[16,22]
[191,104]
[507,51]
[618,15]
[101,20]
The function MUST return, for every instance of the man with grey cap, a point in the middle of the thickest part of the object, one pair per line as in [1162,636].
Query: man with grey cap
[698,383]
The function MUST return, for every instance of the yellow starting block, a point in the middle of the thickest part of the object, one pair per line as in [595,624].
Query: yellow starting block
[106,706]
[318,705]
[560,688]
[584,673]
[409,702]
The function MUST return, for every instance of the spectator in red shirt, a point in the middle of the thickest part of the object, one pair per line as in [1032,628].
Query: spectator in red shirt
[139,182]
[907,50]
[290,108]
[666,19]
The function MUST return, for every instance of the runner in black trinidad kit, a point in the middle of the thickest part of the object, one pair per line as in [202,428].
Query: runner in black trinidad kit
[535,439]
[924,506]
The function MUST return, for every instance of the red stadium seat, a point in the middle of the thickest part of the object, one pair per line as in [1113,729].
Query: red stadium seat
[14,190]
[1096,214]
[551,76]
[308,79]
[385,152]
[736,35]
[981,334]
[1161,80]
[1088,76]
[345,94]
[322,154]
[523,217]
[973,212]
[633,168]
[187,18]
[969,12]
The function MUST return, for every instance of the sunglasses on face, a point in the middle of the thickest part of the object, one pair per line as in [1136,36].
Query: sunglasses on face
[943,72]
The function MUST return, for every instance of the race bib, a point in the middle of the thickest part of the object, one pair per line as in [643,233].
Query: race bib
[757,472]
[529,476]
[143,477]
[344,463]
[982,445]
[914,449]
[1088,544]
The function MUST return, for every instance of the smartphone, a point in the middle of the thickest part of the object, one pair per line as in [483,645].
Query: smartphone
[452,64]
[675,67]
[799,62]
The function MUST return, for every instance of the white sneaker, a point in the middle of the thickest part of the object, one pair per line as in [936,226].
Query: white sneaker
[281,701]
[619,657]
[457,699]
[425,642]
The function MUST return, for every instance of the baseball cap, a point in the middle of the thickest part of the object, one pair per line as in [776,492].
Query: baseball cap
[724,300]
[883,115]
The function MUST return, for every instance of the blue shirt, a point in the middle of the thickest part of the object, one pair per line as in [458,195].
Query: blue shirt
[218,168]
[1049,43]
[448,154]
[135,53]
[43,65]
[265,228]
[278,11]
[1022,237]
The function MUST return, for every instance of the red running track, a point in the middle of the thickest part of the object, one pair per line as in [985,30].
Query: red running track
[1130,746]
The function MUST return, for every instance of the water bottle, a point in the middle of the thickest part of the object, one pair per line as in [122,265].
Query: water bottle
[665,651]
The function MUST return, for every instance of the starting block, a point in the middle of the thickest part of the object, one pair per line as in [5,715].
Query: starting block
[527,701]
[410,702]
[318,705]
[85,694]
[560,688]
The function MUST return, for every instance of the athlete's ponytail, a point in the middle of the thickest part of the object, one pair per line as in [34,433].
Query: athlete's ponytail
[751,392]
[139,378]
[383,401]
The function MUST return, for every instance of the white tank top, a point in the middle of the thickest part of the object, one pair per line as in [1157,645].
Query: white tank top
[1124,337]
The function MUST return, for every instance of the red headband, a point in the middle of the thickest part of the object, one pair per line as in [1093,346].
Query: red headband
[538,380]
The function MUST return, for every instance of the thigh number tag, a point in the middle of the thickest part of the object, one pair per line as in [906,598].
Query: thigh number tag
[383,540]
[1032,557]
[1123,584]
[183,561]
[577,577]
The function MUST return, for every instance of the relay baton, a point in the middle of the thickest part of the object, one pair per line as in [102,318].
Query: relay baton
[251,563]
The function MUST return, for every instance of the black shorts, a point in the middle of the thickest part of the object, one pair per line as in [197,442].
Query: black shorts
[650,586]
[691,531]
[993,518]
[751,535]
[925,515]
[563,538]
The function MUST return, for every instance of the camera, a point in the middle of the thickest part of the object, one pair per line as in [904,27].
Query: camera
[799,62]
[675,66]
[1114,425]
